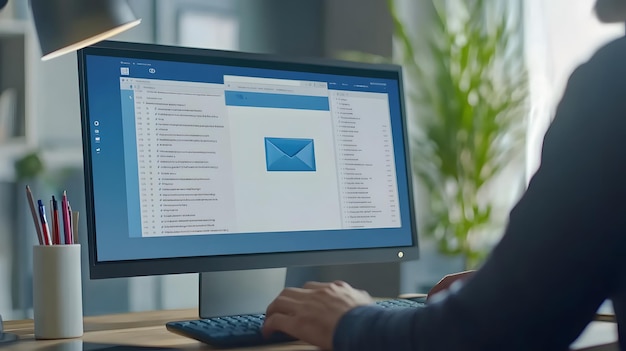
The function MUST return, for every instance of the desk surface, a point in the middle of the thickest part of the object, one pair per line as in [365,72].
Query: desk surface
[141,328]
[148,329]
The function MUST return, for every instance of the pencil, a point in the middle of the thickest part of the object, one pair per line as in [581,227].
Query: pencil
[33,212]
[66,218]
[54,214]
[75,226]
[44,223]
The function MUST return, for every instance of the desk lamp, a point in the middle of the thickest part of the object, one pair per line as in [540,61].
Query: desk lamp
[64,26]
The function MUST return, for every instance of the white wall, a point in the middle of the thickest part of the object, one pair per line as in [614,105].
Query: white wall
[560,35]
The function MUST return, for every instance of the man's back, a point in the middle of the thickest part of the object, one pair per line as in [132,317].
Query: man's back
[564,250]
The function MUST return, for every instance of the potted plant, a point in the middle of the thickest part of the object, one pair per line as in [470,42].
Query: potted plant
[467,93]
[467,90]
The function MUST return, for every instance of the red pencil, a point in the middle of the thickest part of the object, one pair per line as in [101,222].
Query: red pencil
[56,232]
[66,219]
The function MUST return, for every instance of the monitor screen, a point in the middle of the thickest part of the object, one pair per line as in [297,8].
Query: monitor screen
[200,160]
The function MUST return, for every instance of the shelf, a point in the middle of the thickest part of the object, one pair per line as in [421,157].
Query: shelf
[12,147]
[63,157]
[17,132]
[12,28]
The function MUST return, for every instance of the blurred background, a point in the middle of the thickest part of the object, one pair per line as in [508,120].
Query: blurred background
[40,136]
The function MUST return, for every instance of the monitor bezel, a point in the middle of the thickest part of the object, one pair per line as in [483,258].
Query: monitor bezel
[160,266]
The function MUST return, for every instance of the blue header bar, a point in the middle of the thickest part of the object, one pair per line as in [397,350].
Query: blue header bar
[205,73]
[301,102]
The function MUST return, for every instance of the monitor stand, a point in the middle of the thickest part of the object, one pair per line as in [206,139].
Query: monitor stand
[239,292]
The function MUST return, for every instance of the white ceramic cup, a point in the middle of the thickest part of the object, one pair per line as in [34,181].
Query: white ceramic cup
[57,292]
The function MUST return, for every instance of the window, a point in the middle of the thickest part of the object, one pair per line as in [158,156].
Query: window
[210,24]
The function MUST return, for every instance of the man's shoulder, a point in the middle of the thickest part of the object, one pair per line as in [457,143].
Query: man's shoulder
[612,52]
[603,72]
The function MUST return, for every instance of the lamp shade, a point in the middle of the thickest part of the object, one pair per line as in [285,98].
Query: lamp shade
[68,25]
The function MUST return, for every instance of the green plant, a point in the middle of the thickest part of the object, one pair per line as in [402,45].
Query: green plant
[29,166]
[468,91]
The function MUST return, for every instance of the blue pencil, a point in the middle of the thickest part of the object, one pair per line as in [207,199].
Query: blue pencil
[44,223]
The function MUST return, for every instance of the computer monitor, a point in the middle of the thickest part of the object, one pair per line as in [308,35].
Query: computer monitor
[212,161]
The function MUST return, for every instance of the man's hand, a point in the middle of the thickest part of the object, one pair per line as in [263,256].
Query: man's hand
[311,313]
[447,281]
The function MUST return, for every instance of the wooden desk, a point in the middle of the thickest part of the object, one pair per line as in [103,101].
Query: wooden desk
[148,329]
[141,328]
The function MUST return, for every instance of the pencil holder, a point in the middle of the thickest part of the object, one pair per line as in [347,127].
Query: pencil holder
[57,292]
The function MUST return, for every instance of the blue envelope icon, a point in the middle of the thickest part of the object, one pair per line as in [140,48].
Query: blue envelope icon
[289,155]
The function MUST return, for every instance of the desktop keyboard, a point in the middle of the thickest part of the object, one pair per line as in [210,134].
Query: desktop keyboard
[245,330]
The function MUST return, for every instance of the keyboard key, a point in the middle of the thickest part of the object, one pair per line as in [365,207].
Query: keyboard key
[400,303]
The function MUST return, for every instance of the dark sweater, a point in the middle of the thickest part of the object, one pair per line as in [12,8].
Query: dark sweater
[564,249]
